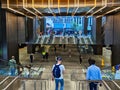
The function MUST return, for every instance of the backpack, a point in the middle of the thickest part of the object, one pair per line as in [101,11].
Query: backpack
[56,71]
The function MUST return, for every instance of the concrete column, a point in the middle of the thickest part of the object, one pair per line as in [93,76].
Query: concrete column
[115,55]
[96,30]
[42,25]
[29,30]
[85,25]
[9,35]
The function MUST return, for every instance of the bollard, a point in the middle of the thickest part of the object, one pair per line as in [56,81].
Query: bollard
[102,62]
[113,69]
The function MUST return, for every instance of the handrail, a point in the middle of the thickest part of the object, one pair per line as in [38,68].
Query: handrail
[10,83]
[4,80]
[99,81]
[35,84]
[102,81]
[106,85]
[116,84]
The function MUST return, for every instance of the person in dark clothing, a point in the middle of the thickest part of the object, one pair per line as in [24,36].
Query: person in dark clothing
[80,58]
[60,45]
[64,46]
[31,57]
[46,56]
[43,55]
[89,61]
[55,49]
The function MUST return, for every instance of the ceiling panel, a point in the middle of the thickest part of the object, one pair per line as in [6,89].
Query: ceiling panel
[62,7]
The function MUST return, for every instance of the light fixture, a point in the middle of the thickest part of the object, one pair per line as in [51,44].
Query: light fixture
[59,6]
[35,8]
[68,5]
[75,11]
[75,3]
[27,9]
[100,8]
[76,8]
[92,8]
[16,11]
[108,12]
[49,7]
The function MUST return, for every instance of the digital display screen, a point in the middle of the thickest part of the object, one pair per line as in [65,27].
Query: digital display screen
[62,25]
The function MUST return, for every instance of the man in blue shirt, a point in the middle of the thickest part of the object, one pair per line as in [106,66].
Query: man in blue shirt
[93,73]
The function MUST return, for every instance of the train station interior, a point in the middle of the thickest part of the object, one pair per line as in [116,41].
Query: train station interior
[65,28]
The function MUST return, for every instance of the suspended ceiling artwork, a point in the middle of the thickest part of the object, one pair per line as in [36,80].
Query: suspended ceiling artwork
[39,8]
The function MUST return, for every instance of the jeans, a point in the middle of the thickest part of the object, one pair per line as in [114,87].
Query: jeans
[12,71]
[57,81]
[93,86]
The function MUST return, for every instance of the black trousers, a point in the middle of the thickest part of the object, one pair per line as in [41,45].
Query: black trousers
[93,85]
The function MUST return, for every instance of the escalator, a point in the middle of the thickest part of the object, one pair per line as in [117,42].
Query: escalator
[82,40]
[45,40]
[57,40]
[70,40]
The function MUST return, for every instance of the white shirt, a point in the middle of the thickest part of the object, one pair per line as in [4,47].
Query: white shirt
[62,68]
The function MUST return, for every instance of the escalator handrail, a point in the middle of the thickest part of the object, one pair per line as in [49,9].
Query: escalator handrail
[106,85]
[4,80]
[116,84]
[98,81]
[11,83]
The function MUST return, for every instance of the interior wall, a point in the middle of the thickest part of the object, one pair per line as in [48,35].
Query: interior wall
[12,35]
[21,29]
[29,30]
[85,25]
[11,32]
[94,29]
[98,31]
[116,40]
[3,45]
[108,31]
[116,33]
[112,36]
[42,25]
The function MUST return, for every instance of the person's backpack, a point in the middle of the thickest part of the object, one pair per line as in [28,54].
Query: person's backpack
[56,71]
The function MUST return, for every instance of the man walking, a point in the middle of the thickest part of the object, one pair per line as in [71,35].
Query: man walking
[57,74]
[93,73]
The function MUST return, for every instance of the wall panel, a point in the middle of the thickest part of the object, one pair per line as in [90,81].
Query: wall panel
[29,29]
[12,35]
[21,29]
[112,36]
[116,34]
[108,31]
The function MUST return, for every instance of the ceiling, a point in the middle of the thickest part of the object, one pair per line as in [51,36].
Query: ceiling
[40,8]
